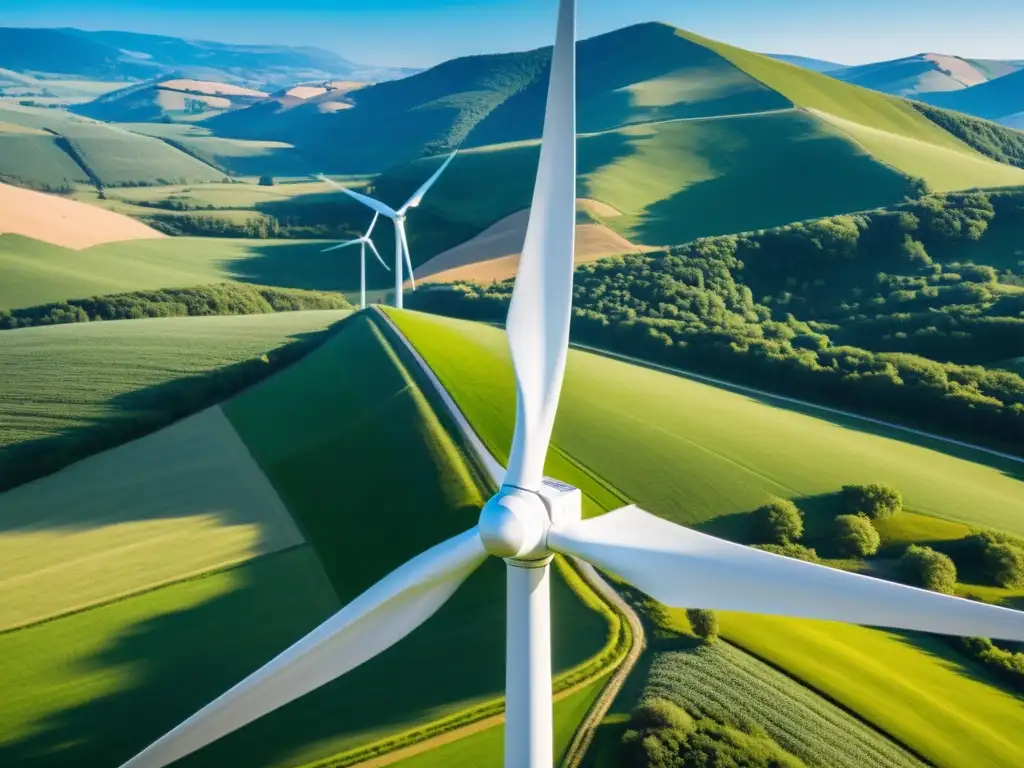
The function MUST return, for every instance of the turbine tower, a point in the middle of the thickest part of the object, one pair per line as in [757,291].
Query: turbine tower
[398,217]
[362,241]
[531,518]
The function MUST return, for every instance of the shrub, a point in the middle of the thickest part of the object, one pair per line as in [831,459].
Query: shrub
[660,713]
[1009,665]
[927,568]
[266,181]
[796,551]
[1005,564]
[704,623]
[856,536]
[779,522]
[877,501]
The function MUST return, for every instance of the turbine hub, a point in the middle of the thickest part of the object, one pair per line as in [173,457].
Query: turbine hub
[514,523]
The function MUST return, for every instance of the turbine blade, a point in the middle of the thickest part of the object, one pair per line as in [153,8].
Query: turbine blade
[682,568]
[538,317]
[373,223]
[400,226]
[340,245]
[375,205]
[417,198]
[376,253]
[371,623]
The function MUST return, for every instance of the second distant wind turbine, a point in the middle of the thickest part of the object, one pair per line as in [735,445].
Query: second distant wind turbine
[398,217]
[363,242]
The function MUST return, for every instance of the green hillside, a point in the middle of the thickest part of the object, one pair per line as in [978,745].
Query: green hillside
[103,682]
[68,384]
[701,455]
[107,155]
[39,273]
[32,157]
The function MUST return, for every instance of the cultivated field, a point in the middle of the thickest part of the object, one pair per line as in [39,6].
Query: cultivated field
[39,273]
[915,688]
[61,378]
[67,223]
[182,501]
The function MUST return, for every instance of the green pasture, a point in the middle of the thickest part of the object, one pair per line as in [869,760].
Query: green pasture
[914,687]
[66,377]
[698,454]
[35,159]
[39,273]
[671,181]
[92,688]
[182,501]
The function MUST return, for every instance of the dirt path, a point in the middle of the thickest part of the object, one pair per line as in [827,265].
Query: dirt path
[584,735]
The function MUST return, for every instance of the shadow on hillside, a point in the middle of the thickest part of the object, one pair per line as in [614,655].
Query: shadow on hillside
[132,415]
[764,172]
[179,661]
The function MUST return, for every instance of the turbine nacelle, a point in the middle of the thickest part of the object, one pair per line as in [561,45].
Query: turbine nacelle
[514,523]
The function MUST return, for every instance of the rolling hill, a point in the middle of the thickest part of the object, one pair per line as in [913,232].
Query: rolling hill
[1001,100]
[114,55]
[177,99]
[816,65]
[923,73]
[103,681]
[59,221]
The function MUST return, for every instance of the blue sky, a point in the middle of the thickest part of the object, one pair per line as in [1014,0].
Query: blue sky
[424,32]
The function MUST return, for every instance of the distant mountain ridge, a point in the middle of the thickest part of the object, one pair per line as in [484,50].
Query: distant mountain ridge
[114,55]
[1001,100]
[815,65]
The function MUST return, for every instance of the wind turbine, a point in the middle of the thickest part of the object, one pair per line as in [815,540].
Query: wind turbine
[532,517]
[398,217]
[363,241]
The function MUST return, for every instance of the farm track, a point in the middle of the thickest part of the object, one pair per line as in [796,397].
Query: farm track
[584,734]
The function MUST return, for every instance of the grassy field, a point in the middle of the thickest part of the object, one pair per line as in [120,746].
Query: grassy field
[684,450]
[118,369]
[916,688]
[74,684]
[485,748]
[179,502]
[32,157]
[326,432]
[699,454]
[112,155]
[39,273]
[671,181]
[944,169]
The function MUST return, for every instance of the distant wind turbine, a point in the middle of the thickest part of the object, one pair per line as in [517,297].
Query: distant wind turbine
[531,518]
[362,242]
[398,217]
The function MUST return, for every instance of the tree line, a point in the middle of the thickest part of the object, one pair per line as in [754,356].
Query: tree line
[218,299]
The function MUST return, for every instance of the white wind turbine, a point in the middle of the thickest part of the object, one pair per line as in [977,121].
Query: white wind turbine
[532,517]
[398,217]
[362,241]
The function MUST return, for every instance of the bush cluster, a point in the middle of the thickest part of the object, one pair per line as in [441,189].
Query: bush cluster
[219,299]
[663,735]
[876,500]
[778,522]
[856,536]
[924,567]
[793,550]
[1008,665]
[704,623]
